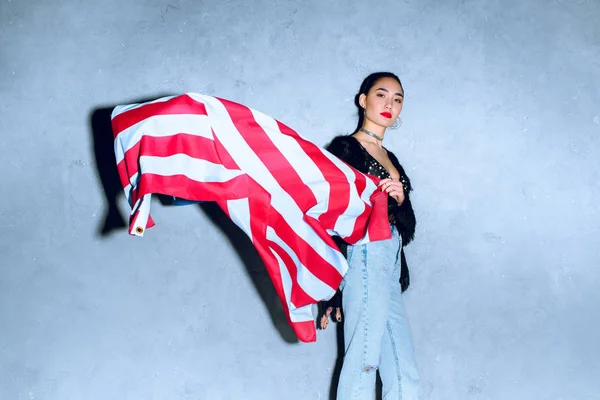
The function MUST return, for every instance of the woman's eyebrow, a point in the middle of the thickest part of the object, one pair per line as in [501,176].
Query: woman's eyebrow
[387,91]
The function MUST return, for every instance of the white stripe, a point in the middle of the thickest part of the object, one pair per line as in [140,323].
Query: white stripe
[246,159]
[143,208]
[177,164]
[162,126]
[364,239]
[313,177]
[313,286]
[301,314]
[193,168]
[305,167]
[356,205]
[250,163]
[239,212]
[127,190]
[297,314]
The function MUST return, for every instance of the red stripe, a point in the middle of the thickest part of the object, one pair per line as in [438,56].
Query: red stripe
[226,159]
[178,105]
[259,205]
[339,194]
[359,229]
[378,225]
[223,205]
[183,187]
[191,145]
[279,167]
[123,175]
[297,296]
[305,331]
[260,212]
[308,256]
[290,181]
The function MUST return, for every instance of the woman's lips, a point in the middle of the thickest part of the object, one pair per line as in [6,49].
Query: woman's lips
[386,114]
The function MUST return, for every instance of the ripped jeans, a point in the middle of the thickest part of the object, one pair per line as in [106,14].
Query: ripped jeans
[376,330]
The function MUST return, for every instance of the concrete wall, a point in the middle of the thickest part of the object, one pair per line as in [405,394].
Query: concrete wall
[501,138]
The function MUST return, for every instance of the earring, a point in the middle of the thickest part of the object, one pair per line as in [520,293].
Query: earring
[397,124]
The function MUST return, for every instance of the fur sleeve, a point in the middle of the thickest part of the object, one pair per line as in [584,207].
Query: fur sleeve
[406,221]
[346,149]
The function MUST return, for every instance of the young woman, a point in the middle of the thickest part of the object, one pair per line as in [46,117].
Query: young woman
[376,330]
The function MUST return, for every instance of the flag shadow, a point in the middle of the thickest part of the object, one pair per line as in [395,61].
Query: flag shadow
[255,268]
[106,164]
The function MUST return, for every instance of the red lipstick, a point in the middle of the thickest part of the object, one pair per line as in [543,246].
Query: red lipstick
[386,114]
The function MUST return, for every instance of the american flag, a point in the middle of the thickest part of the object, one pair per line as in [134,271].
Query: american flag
[287,194]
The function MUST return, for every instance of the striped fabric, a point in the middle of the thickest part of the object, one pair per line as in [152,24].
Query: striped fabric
[287,194]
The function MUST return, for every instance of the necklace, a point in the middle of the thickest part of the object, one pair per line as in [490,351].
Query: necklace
[371,134]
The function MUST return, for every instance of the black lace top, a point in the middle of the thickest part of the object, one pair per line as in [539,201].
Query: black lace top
[375,168]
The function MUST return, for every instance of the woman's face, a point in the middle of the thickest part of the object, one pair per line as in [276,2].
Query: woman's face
[383,103]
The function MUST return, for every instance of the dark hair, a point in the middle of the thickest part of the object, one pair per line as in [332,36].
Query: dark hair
[366,85]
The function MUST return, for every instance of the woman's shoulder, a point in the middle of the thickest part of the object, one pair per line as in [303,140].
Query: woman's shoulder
[343,145]
[347,148]
[343,141]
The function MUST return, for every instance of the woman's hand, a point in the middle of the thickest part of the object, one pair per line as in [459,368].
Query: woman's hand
[394,188]
[324,320]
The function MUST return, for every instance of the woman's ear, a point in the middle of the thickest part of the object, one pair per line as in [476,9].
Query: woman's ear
[362,100]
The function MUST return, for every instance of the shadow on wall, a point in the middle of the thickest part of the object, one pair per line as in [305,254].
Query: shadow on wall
[103,146]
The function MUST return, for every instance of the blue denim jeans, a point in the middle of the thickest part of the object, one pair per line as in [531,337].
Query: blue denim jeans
[376,330]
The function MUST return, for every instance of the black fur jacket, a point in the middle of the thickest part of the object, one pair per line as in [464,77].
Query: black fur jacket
[349,150]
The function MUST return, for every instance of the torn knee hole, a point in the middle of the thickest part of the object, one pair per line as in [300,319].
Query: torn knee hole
[370,368]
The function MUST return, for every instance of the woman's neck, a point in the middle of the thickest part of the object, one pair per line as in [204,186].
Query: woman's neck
[373,136]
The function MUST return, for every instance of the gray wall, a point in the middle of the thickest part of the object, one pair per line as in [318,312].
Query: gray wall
[501,138]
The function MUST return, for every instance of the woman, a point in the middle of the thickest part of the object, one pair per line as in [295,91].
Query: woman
[376,331]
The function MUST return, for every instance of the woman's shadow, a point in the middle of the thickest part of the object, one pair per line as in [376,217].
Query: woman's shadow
[113,220]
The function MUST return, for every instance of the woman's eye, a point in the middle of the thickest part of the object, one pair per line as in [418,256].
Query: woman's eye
[379,94]
[399,101]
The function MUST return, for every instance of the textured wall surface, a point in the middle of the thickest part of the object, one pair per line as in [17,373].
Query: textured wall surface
[501,138]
